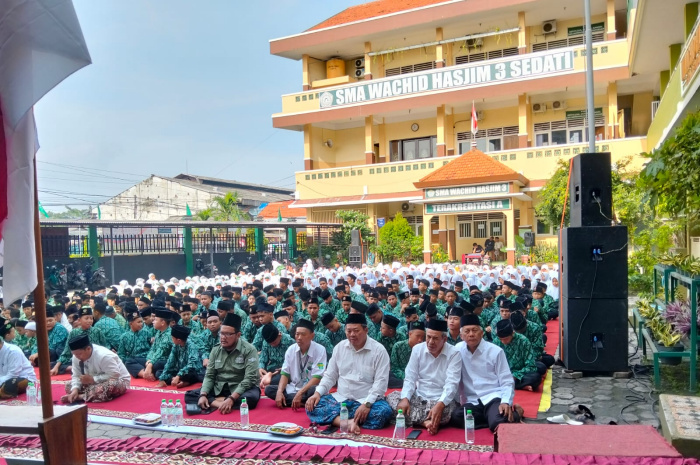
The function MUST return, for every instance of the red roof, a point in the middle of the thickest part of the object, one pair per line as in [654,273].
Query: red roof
[473,167]
[273,209]
[372,10]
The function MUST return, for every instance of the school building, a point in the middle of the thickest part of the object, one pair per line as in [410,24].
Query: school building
[387,90]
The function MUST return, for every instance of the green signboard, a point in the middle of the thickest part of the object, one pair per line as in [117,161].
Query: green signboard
[462,207]
[500,188]
[455,77]
[579,30]
[579,114]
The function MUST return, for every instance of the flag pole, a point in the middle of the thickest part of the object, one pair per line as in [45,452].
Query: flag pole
[42,335]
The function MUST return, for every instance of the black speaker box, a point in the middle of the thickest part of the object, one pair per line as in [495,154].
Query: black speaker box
[593,253]
[606,322]
[529,238]
[591,182]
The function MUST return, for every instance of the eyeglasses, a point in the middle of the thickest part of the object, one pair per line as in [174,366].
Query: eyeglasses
[227,334]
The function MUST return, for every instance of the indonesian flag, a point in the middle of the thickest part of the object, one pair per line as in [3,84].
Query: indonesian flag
[40,45]
[475,126]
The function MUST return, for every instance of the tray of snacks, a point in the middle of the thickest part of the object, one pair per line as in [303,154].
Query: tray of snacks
[285,429]
[147,419]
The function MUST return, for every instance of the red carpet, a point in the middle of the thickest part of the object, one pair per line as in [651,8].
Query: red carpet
[140,382]
[215,452]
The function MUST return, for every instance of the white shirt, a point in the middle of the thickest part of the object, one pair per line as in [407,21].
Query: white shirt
[13,364]
[362,375]
[65,323]
[300,368]
[485,374]
[102,365]
[432,377]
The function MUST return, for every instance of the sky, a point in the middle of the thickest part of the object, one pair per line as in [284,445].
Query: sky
[176,86]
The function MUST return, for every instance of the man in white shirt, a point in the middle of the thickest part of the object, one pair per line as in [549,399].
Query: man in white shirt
[431,382]
[487,386]
[360,367]
[15,370]
[302,370]
[98,374]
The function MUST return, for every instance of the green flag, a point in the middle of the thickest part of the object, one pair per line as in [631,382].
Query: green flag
[279,214]
[188,211]
[42,211]
[99,213]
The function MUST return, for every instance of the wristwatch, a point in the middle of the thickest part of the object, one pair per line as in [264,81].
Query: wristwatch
[368,404]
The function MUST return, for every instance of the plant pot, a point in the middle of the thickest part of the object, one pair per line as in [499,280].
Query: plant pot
[668,360]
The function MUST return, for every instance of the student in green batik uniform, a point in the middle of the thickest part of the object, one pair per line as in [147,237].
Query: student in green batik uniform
[503,314]
[323,284]
[160,350]
[490,309]
[134,343]
[147,315]
[30,332]
[313,315]
[108,326]
[251,327]
[232,373]
[346,305]
[441,303]
[184,365]
[58,338]
[520,356]
[27,311]
[64,362]
[21,340]
[121,321]
[401,354]
[533,333]
[541,301]
[410,315]
[266,316]
[323,340]
[187,321]
[454,316]
[393,306]
[209,337]
[271,356]
[329,304]
[375,316]
[291,308]
[335,331]
[388,335]
[508,288]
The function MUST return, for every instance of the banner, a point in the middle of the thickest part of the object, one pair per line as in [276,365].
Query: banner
[461,207]
[500,188]
[454,77]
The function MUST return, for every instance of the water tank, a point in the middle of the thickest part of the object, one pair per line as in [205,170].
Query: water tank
[335,67]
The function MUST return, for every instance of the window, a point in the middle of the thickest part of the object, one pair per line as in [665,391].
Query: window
[413,149]
[570,131]
[545,229]
[465,230]
[480,232]
[410,69]
[496,228]
[416,223]
[488,140]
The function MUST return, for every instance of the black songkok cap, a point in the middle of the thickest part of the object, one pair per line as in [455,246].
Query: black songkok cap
[232,320]
[403,295]
[132,315]
[391,320]
[288,303]
[270,332]
[516,306]
[518,320]
[362,308]
[85,311]
[264,307]
[163,313]
[504,328]
[459,284]
[456,311]
[180,332]
[224,305]
[372,309]
[304,323]
[415,291]
[416,325]
[79,342]
[410,311]
[466,306]
[437,325]
[356,319]
[325,319]
[212,313]
[148,311]
[470,320]
[325,294]
[346,298]
[281,313]
[431,309]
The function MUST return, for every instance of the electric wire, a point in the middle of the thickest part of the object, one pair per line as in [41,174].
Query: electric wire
[580,328]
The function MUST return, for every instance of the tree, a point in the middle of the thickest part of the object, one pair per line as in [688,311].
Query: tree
[551,197]
[70,214]
[397,241]
[203,215]
[225,208]
[351,219]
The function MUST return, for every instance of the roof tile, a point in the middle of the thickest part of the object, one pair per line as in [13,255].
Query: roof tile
[470,168]
[274,209]
[372,10]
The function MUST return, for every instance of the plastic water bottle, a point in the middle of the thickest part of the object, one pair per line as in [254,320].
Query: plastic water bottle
[245,419]
[469,427]
[400,430]
[31,394]
[179,420]
[171,413]
[38,393]
[164,412]
[344,415]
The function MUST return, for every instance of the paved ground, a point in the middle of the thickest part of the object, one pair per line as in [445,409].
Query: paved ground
[620,400]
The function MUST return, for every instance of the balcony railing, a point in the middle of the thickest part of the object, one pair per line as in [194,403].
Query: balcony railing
[398,177]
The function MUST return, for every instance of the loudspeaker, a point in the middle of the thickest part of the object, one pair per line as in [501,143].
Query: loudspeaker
[355,237]
[529,238]
[607,322]
[595,253]
[591,190]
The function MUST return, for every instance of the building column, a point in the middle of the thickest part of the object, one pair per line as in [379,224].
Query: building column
[369,140]
[368,61]
[522,34]
[523,121]
[305,84]
[510,236]
[187,249]
[427,252]
[611,30]
[442,232]
[382,156]
[664,77]
[450,222]
[441,121]
[439,51]
[450,132]
[674,53]
[690,15]
[308,159]
[613,124]
[93,246]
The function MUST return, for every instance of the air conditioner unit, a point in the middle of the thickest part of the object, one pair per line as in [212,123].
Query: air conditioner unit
[407,207]
[558,105]
[539,107]
[359,73]
[480,115]
[475,43]
[549,27]
[359,62]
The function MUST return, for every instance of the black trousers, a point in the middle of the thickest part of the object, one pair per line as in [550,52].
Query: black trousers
[135,365]
[191,378]
[394,382]
[252,397]
[547,359]
[532,379]
[553,314]
[271,392]
[485,416]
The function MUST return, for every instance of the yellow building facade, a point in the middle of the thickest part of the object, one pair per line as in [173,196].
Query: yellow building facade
[387,90]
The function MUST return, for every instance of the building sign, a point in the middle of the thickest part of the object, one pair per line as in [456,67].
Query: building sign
[461,207]
[580,114]
[580,30]
[501,188]
[455,77]
[165,230]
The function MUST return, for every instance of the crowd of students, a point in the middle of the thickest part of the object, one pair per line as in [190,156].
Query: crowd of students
[447,337]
